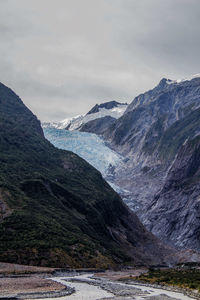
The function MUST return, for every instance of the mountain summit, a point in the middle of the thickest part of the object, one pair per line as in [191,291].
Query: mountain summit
[106,111]
[107,105]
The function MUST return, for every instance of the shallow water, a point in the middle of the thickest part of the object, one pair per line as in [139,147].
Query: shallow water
[86,291]
[157,292]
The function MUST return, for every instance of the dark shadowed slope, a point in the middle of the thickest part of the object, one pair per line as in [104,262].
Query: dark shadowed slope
[56,209]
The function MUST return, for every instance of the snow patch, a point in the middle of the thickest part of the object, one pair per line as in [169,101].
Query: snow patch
[169,81]
[76,122]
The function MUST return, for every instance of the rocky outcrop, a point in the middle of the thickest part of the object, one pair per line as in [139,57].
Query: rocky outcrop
[150,114]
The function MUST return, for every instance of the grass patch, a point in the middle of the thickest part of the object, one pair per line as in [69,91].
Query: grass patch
[187,279]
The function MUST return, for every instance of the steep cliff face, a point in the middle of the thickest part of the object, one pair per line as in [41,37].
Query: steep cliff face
[159,135]
[174,212]
[150,114]
[151,132]
[55,208]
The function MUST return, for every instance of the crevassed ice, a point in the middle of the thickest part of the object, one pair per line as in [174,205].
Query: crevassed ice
[87,145]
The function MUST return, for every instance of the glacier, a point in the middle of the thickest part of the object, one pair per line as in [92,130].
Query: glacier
[89,146]
[93,149]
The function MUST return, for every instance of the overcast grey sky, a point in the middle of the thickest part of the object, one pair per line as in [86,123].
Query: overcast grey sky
[64,56]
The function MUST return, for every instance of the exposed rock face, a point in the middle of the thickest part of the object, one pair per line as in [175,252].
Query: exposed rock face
[98,126]
[159,138]
[145,132]
[174,212]
[61,211]
[150,114]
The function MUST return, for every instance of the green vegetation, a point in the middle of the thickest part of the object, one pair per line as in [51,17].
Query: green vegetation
[183,278]
[54,207]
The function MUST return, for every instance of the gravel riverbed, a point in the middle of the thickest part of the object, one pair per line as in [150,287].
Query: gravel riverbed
[95,288]
[87,287]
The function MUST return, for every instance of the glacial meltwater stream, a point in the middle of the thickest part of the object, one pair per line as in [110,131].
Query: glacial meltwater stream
[88,288]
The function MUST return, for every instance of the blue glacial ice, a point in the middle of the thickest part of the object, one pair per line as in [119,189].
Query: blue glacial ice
[87,145]
[93,149]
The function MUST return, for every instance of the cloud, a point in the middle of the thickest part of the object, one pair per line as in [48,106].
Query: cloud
[64,56]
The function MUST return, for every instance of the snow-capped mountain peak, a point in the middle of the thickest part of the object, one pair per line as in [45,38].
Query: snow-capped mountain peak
[169,81]
[113,109]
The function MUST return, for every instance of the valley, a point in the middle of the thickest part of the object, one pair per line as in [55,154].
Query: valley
[157,141]
[99,150]
[58,211]
[88,286]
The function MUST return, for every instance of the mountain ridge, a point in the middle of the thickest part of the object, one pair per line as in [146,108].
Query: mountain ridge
[150,135]
[107,105]
[111,109]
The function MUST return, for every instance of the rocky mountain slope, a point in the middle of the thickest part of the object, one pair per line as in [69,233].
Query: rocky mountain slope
[55,208]
[158,135]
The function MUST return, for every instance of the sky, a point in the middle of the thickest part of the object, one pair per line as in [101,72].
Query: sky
[64,56]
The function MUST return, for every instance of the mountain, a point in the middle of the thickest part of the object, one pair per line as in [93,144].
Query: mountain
[111,105]
[150,133]
[158,137]
[111,109]
[150,114]
[158,175]
[56,209]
